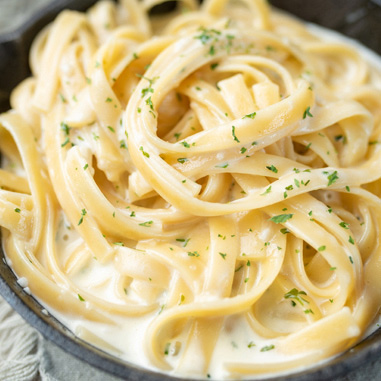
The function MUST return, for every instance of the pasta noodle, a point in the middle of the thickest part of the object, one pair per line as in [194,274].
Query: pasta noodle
[211,177]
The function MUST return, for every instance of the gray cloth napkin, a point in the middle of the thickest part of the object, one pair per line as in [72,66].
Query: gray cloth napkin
[26,356]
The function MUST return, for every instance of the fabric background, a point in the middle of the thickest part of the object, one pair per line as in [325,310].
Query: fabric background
[24,354]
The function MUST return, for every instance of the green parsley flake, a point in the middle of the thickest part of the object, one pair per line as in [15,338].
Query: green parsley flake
[267,348]
[63,99]
[17,210]
[146,224]
[123,144]
[268,190]
[207,35]
[67,141]
[146,154]
[182,160]
[149,103]
[295,294]
[80,298]
[272,168]
[332,178]
[234,135]
[251,116]
[223,255]
[281,218]
[185,144]
[83,213]
[65,128]
[307,113]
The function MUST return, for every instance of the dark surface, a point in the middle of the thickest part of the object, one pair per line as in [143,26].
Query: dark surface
[14,46]
[359,19]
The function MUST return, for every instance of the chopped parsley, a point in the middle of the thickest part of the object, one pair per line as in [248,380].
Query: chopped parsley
[185,144]
[83,213]
[123,144]
[234,135]
[149,103]
[307,113]
[344,225]
[281,218]
[268,190]
[296,295]
[332,178]
[207,34]
[146,224]
[146,154]
[272,168]
[65,128]
[148,89]
[267,348]
[251,116]
[63,99]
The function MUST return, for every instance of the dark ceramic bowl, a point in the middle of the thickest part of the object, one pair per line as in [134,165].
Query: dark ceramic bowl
[360,19]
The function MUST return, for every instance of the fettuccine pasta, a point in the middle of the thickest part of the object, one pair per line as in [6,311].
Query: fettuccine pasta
[203,185]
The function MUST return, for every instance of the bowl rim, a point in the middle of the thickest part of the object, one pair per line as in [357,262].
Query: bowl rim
[31,310]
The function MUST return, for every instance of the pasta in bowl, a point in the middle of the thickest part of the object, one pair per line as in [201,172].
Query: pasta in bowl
[197,194]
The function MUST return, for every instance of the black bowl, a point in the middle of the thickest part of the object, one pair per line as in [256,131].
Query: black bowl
[359,19]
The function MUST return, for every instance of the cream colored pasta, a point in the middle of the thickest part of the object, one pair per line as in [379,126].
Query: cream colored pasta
[213,175]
